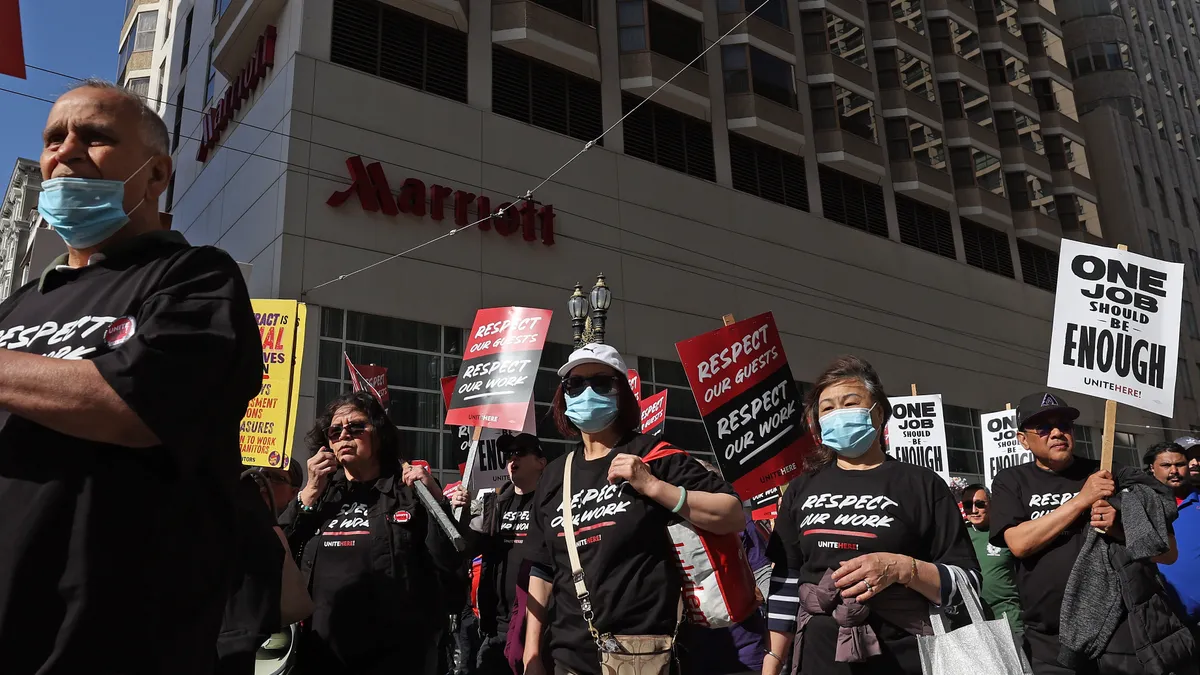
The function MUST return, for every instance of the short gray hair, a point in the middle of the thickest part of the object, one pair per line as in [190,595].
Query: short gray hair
[154,129]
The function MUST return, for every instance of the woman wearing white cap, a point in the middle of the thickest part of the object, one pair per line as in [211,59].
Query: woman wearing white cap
[623,497]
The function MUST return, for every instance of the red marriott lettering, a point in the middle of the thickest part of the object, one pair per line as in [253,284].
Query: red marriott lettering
[374,193]
[219,116]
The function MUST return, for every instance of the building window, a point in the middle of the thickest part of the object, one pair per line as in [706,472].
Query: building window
[1155,244]
[751,70]
[140,39]
[187,41]
[139,86]
[961,101]
[170,194]
[925,227]
[683,418]
[1162,197]
[1189,318]
[986,248]
[972,167]
[1006,17]
[1171,47]
[910,138]
[668,138]
[535,93]
[1087,216]
[1141,186]
[1016,73]
[1176,256]
[1098,7]
[835,107]
[162,81]
[1027,192]
[897,68]
[1179,135]
[853,202]
[774,11]
[1185,380]
[1182,216]
[380,40]
[178,120]
[964,441]
[583,11]
[908,13]
[1194,258]
[219,7]
[1029,131]
[645,24]
[210,80]
[846,40]
[167,23]
[966,43]
[1153,31]
[768,172]
[1039,266]
[1099,57]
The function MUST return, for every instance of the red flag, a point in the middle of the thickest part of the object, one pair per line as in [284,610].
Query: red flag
[369,378]
[12,51]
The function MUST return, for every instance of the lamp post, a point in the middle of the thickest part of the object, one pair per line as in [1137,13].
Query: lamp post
[578,306]
[601,299]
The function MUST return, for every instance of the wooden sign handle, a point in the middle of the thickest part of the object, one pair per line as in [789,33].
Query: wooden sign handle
[1008,406]
[1110,427]
[914,390]
[728,319]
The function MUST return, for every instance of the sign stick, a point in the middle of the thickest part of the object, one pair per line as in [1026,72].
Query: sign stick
[440,516]
[1110,421]
[1008,406]
[728,319]
[914,390]
[472,457]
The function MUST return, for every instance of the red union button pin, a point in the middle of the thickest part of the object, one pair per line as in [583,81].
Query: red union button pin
[401,516]
[119,331]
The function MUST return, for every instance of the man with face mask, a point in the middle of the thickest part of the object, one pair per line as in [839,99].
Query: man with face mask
[126,369]
[1042,512]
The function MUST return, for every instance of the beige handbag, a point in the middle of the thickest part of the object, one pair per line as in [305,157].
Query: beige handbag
[619,654]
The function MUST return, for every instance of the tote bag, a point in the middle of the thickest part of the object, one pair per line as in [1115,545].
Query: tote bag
[981,647]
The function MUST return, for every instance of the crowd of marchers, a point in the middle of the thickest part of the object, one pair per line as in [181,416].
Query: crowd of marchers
[135,542]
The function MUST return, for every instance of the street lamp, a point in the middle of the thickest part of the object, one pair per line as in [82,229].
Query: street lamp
[578,306]
[601,299]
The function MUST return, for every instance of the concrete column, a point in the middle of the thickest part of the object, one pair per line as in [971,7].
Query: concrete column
[610,73]
[716,96]
[479,55]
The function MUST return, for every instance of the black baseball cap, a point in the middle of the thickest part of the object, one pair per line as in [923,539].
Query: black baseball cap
[1040,405]
[519,445]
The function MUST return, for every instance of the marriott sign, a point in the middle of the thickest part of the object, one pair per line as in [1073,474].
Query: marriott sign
[375,194]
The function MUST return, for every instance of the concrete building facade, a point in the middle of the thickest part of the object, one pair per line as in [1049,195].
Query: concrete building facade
[889,178]
[144,51]
[27,244]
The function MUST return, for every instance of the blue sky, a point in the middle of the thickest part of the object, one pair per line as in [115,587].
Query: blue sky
[75,37]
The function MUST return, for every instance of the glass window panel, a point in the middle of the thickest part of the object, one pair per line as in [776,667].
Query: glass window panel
[545,423]
[544,386]
[326,392]
[393,332]
[908,13]
[453,340]
[690,436]
[962,461]
[680,403]
[415,409]
[329,360]
[632,39]
[959,415]
[669,372]
[421,445]
[846,40]
[331,322]
[405,369]
[554,354]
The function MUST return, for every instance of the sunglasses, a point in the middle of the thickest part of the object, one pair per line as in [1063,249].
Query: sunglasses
[1044,430]
[977,504]
[574,385]
[355,429]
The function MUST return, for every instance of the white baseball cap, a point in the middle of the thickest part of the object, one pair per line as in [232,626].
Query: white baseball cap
[595,353]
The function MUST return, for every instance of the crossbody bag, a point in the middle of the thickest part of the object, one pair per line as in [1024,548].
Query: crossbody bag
[619,654]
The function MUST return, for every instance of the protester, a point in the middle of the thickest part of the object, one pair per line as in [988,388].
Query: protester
[128,365]
[738,649]
[996,563]
[373,555]
[1042,511]
[1191,449]
[1169,466]
[503,528]
[622,506]
[280,487]
[863,543]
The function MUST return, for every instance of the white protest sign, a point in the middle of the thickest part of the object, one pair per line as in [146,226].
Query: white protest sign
[490,470]
[1001,449]
[917,433]
[1116,326]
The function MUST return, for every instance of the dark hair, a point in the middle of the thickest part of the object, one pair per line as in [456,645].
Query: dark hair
[629,413]
[386,440]
[1158,449]
[843,368]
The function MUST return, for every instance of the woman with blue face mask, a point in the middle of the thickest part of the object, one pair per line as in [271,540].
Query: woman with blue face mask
[863,544]
[623,495]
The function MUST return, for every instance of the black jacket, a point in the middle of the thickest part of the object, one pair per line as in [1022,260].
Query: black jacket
[419,563]
[486,544]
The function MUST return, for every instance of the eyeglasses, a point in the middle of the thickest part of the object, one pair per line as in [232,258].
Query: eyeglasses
[355,429]
[977,504]
[574,385]
[1065,426]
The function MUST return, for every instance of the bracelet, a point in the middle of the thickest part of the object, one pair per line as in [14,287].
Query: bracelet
[913,570]
[775,656]
[306,509]
[682,499]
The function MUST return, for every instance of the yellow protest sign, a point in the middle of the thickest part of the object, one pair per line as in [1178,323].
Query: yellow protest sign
[267,428]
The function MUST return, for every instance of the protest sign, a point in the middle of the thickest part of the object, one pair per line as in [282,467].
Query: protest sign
[270,420]
[489,472]
[495,383]
[370,378]
[654,414]
[1001,449]
[1116,326]
[766,505]
[749,402]
[635,384]
[916,433]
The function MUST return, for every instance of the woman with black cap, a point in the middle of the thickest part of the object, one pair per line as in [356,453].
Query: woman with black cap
[621,498]
[375,558]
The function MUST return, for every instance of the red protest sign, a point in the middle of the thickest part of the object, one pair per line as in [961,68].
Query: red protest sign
[370,378]
[635,383]
[654,414]
[12,52]
[750,405]
[495,383]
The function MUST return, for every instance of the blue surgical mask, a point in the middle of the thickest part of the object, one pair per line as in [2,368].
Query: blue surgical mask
[85,211]
[849,432]
[592,412]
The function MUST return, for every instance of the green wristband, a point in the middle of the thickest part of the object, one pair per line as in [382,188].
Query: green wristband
[682,500]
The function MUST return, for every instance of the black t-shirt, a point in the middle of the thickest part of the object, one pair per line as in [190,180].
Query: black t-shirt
[1028,492]
[835,515]
[105,546]
[627,557]
[343,582]
[512,533]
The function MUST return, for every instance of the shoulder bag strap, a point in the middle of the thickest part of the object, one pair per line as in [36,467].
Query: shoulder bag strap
[581,592]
